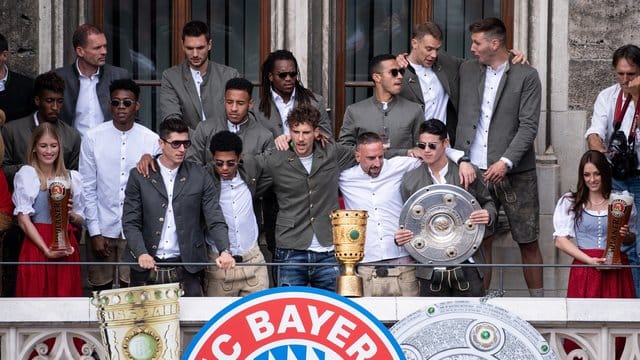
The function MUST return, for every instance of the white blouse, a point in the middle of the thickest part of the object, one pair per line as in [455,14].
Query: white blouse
[26,186]
[563,217]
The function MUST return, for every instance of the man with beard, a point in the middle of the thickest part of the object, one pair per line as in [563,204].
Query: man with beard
[374,185]
[193,90]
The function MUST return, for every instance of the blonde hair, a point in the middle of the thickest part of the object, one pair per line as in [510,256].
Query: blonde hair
[32,159]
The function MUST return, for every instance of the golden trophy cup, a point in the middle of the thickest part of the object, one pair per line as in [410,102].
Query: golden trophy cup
[59,194]
[141,322]
[620,204]
[349,230]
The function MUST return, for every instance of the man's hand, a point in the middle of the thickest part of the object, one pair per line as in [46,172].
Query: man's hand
[282,142]
[403,236]
[322,138]
[518,57]
[467,174]
[100,246]
[634,88]
[146,261]
[225,261]
[496,172]
[55,254]
[402,60]
[146,162]
[480,217]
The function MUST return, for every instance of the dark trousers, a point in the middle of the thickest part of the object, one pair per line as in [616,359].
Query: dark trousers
[453,282]
[191,282]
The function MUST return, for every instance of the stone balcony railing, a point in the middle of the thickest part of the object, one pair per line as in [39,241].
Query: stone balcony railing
[47,328]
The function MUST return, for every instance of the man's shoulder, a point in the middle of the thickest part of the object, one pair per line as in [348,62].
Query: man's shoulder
[403,102]
[19,124]
[223,69]
[17,78]
[115,71]
[67,71]
[361,105]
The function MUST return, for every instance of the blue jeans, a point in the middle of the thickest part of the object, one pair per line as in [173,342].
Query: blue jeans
[323,277]
[632,185]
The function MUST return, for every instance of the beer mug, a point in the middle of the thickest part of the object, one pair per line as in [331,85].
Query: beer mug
[59,194]
[620,204]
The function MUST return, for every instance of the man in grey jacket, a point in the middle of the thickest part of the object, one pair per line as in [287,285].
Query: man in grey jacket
[161,217]
[87,80]
[194,90]
[497,126]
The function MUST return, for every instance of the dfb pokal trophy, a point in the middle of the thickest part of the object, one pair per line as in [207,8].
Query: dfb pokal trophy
[59,194]
[620,204]
[349,229]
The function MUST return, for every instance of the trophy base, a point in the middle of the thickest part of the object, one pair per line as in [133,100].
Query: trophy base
[349,286]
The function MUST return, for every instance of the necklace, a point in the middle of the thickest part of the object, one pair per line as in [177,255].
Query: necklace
[593,203]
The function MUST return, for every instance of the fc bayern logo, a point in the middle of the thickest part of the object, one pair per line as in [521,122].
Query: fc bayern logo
[293,323]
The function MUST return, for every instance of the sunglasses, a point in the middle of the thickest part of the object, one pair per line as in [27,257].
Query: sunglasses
[126,102]
[431,145]
[395,72]
[221,163]
[177,143]
[292,74]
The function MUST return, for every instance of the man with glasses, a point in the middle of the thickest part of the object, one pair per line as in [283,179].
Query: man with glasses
[162,217]
[374,185]
[437,169]
[193,90]
[394,118]
[610,105]
[86,101]
[109,151]
[235,178]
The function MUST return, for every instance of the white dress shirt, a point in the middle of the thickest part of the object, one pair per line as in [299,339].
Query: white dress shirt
[198,80]
[88,110]
[234,128]
[435,98]
[106,157]
[237,206]
[478,149]
[168,246]
[3,81]
[381,198]
[603,113]
[284,108]
[441,174]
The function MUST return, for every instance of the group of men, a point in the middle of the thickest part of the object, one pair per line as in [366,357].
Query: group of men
[280,162]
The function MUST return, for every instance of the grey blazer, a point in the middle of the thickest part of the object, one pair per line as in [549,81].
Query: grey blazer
[516,113]
[255,138]
[179,96]
[274,123]
[194,198]
[446,69]
[402,117]
[420,177]
[305,199]
[71,77]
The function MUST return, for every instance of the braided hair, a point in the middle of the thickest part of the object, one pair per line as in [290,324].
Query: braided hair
[303,95]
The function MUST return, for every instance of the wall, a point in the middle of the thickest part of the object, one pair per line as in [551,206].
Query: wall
[20,26]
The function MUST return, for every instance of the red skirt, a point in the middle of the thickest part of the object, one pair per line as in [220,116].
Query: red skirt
[48,280]
[588,282]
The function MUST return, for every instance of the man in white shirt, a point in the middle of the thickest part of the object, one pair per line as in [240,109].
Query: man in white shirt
[610,105]
[497,127]
[437,169]
[164,215]
[236,178]
[194,89]
[87,79]
[109,151]
[374,185]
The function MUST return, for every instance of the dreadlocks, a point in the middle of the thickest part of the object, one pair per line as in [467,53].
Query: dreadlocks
[303,95]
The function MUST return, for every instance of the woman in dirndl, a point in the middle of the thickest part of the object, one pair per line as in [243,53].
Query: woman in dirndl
[31,198]
[580,223]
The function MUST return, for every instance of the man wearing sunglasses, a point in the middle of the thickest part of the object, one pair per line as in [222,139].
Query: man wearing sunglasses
[395,118]
[237,179]
[497,127]
[437,169]
[374,185]
[238,119]
[164,216]
[193,90]
[109,151]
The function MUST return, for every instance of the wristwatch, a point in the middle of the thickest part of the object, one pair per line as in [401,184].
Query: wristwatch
[464,158]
